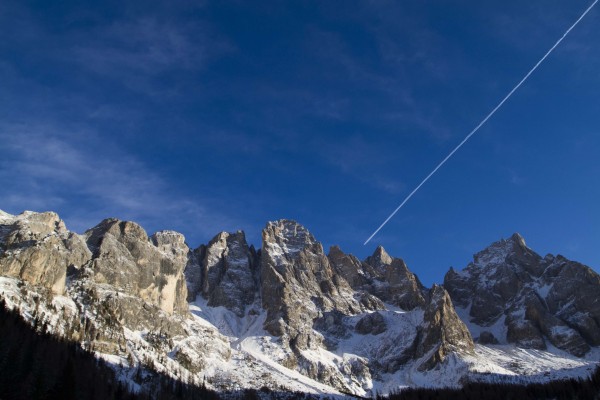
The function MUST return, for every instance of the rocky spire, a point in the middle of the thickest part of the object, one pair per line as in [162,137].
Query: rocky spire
[228,276]
[396,284]
[347,266]
[379,259]
[443,332]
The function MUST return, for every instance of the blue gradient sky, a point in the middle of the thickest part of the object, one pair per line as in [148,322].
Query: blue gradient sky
[210,116]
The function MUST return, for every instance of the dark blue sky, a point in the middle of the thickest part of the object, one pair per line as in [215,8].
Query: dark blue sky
[209,116]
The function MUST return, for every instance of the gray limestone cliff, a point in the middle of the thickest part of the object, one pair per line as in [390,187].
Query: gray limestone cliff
[127,259]
[298,283]
[442,331]
[300,292]
[113,290]
[224,272]
[381,278]
[38,248]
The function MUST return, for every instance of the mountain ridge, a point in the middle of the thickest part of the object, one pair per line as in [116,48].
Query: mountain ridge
[543,299]
[284,316]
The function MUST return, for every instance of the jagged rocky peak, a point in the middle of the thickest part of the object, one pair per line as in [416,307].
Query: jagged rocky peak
[380,277]
[127,259]
[5,216]
[298,283]
[170,241]
[443,332]
[172,244]
[499,273]
[498,251]
[359,276]
[510,251]
[39,224]
[38,248]
[539,301]
[303,294]
[400,286]
[380,259]
[289,237]
[347,266]
[228,272]
[355,272]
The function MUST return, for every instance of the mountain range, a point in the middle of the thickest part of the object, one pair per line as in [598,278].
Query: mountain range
[291,317]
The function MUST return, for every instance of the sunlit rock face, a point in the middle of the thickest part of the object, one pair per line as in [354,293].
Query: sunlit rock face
[298,282]
[38,248]
[127,259]
[443,332]
[300,290]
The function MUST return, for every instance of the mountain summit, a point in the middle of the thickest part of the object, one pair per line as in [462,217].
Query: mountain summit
[510,294]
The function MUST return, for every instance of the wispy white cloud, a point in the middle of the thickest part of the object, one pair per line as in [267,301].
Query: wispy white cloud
[45,168]
[148,46]
[137,51]
[516,178]
[344,64]
[363,160]
[538,24]
[430,124]
[147,52]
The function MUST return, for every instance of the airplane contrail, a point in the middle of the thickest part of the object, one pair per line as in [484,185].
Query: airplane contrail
[481,123]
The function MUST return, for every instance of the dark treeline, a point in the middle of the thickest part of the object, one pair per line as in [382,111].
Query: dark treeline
[38,366]
[571,389]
